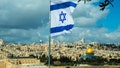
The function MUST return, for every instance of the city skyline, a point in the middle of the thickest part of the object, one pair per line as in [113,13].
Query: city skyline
[27,21]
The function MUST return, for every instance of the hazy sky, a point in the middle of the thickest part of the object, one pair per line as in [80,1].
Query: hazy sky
[27,21]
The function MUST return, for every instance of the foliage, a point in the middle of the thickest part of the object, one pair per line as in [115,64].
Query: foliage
[103,4]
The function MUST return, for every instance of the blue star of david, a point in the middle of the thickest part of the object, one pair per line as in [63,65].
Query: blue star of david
[62,17]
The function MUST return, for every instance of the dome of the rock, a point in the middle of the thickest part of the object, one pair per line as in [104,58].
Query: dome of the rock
[89,51]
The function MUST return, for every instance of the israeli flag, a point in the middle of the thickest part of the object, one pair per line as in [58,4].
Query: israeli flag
[61,18]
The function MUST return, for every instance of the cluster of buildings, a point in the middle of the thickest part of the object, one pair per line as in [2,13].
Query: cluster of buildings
[27,55]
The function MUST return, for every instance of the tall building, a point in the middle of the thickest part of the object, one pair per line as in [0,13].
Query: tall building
[52,41]
[83,40]
[1,42]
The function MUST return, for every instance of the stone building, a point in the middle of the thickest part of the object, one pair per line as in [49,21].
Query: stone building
[1,42]
[28,61]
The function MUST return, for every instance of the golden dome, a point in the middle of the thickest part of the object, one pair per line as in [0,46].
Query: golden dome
[89,51]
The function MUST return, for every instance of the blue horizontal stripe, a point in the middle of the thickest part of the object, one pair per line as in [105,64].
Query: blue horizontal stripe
[62,5]
[61,28]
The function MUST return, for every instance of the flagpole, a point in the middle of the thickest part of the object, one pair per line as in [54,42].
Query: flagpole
[49,50]
[49,47]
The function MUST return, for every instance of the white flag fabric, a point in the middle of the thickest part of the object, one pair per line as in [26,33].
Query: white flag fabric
[61,18]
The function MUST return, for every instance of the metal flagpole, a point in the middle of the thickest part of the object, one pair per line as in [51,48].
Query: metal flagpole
[49,47]
[49,50]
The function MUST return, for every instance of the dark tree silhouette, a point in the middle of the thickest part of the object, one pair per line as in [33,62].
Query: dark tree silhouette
[84,0]
[105,3]
[102,5]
